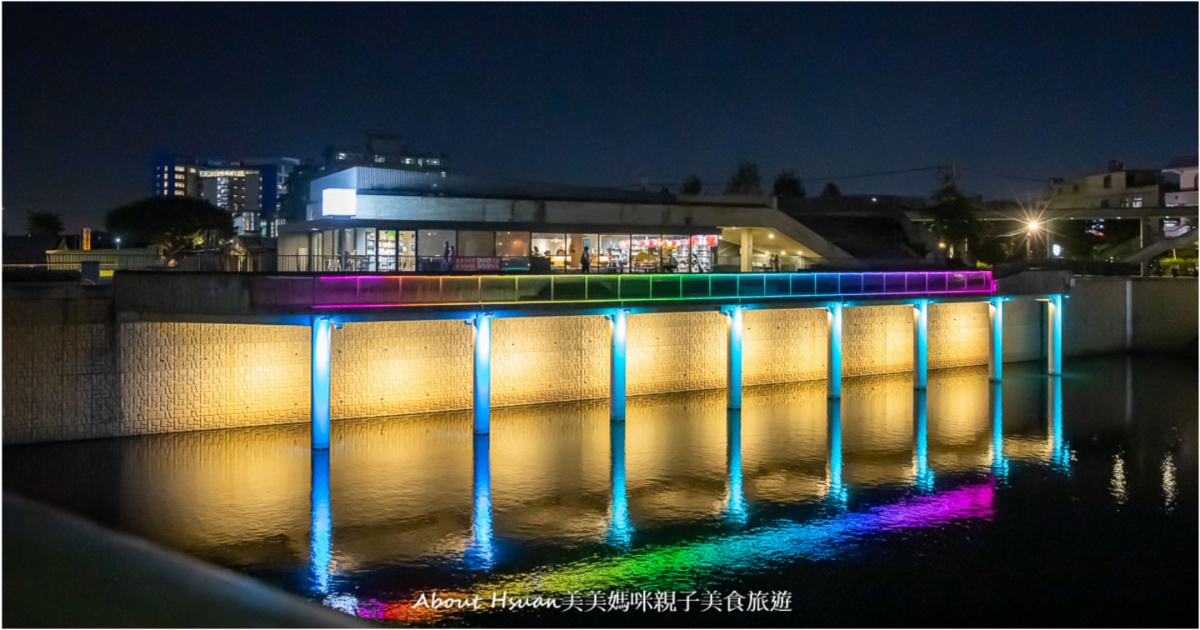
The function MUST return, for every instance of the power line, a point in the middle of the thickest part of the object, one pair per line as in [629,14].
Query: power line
[1043,180]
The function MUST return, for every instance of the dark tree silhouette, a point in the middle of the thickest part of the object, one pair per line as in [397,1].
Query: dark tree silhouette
[831,190]
[691,186]
[171,224]
[954,222]
[745,180]
[787,184]
[43,224]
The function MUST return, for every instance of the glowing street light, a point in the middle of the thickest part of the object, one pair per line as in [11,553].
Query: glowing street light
[118,239]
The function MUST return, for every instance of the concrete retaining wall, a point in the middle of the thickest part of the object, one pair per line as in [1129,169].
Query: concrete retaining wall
[72,372]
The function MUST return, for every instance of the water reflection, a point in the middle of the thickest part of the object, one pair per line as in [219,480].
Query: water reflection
[1118,485]
[836,491]
[548,502]
[321,535]
[1060,450]
[1169,490]
[620,529]
[480,553]
[999,461]
[735,499]
[922,472]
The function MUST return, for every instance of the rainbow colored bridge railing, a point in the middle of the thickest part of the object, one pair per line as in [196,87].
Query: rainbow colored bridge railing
[376,291]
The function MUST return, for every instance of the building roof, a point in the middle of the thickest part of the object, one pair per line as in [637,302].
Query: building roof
[369,180]
[1183,161]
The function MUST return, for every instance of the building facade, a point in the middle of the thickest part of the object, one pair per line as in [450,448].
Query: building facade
[250,190]
[383,220]
[1116,187]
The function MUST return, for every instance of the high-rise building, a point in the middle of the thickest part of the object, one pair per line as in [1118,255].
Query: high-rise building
[384,150]
[249,190]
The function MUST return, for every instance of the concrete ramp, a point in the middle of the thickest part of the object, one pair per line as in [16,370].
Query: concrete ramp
[1157,248]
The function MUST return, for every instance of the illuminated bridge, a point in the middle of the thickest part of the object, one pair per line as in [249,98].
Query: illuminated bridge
[326,302]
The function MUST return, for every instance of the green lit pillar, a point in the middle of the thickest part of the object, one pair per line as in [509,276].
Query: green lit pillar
[996,345]
[833,364]
[616,383]
[483,373]
[920,344]
[733,355]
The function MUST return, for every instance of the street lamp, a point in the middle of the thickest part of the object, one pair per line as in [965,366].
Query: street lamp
[118,240]
[1032,228]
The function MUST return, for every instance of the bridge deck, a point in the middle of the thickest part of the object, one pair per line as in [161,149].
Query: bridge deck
[375,291]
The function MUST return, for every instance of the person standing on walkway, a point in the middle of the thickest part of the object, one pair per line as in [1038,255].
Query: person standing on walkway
[585,260]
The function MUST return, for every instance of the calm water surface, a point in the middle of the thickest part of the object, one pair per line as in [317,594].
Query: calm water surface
[1044,501]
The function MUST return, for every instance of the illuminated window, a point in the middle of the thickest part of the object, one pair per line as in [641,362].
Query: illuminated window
[380,159]
[179,169]
[408,160]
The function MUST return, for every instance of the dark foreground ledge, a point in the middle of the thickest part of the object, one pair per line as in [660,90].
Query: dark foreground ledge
[63,571]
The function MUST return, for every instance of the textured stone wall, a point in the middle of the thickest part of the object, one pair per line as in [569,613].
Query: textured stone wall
[784,345]
[958,334]
[549,359]
[877,340]
[388,368]
[60,382]
[189,377]
[72,372]
[674,352]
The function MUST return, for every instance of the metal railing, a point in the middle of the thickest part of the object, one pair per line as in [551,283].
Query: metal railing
[376,291]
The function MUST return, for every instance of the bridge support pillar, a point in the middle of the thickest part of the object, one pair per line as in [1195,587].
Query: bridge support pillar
[616,382]
[996,342]
[1054,308]
[733,354]
[833,363]
[321,351]
[920,344]
[747,250]
[482,325]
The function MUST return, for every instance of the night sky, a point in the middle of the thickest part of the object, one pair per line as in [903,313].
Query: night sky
[595,94]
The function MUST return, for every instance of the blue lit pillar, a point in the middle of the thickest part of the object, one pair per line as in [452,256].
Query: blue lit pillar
[920,344]
[999,463]
[733,374]
[1054,335]
[620,529]
[320,555]
[996,345]
[321,330]
[483,373]
[833,363]
[836,490]
[480,554]
[735,503]
[922,473]
[616,385]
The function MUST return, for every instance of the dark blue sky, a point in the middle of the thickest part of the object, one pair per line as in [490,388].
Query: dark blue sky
[595,94]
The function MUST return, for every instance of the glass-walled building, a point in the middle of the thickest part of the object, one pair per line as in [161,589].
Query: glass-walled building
[367,219]
[446,250]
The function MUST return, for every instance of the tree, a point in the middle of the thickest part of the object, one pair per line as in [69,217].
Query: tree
[831,190]
[788,185]
[745,180]
[954,221]
[691,186]
[43,224]
[171,224]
